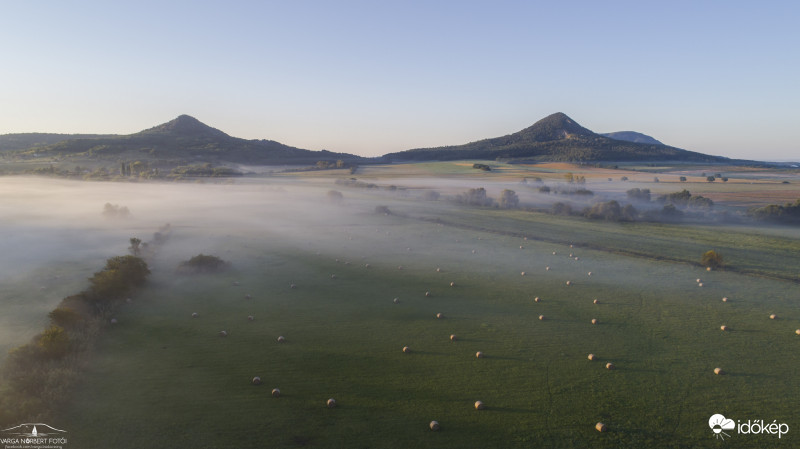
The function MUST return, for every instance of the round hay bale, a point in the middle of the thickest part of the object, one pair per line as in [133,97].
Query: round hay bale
[439,316]
[719,371]
[113,321]
[591,357]
[479,405]
[536,299]
[700,284]
[797,332]
[600,427]
[406,349]
[276,393]
[708,268]
[396,300]
[570,246]
[521,247]
[723,327]
[250,318]
[525,238]
[452,284]
[595,301]
[554,253]
[698,280]
[194,315]
[577,258]
[399,267]
[235,282]
[453,337]
[256,380]
[223,333]
[522,273]
[479,354]
[594,321]
[366,265]
[546,268]
[473,251]
[610,365]
[292,286]
[281,339]
[438,270]
[541,317]
[434,425]
[247,296]
[773,317]
[333,276]
[571,255]
[590,273]
[331,403]
[427,294]
[725,299]
[569,283]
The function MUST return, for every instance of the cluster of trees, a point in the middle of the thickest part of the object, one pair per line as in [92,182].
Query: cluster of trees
[203,170]
[36,375]
[483,167]
[115,211]
[788,213]
[478,197]
[639,194]
[684,198]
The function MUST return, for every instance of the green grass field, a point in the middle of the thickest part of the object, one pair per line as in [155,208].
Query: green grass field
[164,379]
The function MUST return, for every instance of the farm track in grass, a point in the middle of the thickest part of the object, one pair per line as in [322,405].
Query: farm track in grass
[160,372]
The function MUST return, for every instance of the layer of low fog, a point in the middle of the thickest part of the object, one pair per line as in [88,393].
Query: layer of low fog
[59,232]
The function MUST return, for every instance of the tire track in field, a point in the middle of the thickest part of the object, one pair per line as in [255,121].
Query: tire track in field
[549,399]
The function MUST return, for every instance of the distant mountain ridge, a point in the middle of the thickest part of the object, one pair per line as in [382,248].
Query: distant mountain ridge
[182,140]
[555,138]
[632,136]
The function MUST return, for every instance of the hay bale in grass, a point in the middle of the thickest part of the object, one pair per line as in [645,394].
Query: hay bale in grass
[439,316]
[366,265]
[434,425]
[577,258]
[591,357]
[554,253]
[479,354]
[331,403]
[236,283]
[194,315]
[797,332]
[453,337]
[546,268]
[594,321]
[536,299]
[247,296]
[610,365]
[256,380]
[113,321]
[406,349]
[522,273]
[473,251]
[521,247]
[719,371]
[479,405]
[292,286]
[708,268]
[541,317]
[600,427]
[723,327]
[595,301]
[223,333]
[396,300]
[571,255]
[590,273]
[281,339]
[452,284]
[773,317]
[333,276]
[698,280]
[250,318]
[438,270]
[725,299]
[569,283]
[427,294]
[276,393]
[399,267]
[700,284]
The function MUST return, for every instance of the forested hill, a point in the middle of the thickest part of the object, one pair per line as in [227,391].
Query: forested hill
[555,138]
[185,138]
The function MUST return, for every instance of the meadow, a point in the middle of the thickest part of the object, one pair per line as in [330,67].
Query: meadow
[161,378]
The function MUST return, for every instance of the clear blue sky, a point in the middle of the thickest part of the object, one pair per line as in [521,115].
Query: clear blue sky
[370,77]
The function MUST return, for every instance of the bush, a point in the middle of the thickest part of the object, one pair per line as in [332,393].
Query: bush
[54,342]
[483,167]
[683,178]
[611,211]
[475,197]
[711,259]
[639,194]
[120,274]
[335,196]
[65,317]
[544,189]
[202,263]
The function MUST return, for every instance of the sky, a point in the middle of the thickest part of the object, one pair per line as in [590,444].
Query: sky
[371,77]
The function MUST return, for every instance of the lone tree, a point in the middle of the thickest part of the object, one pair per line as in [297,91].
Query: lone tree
[509,199]
[711,259]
